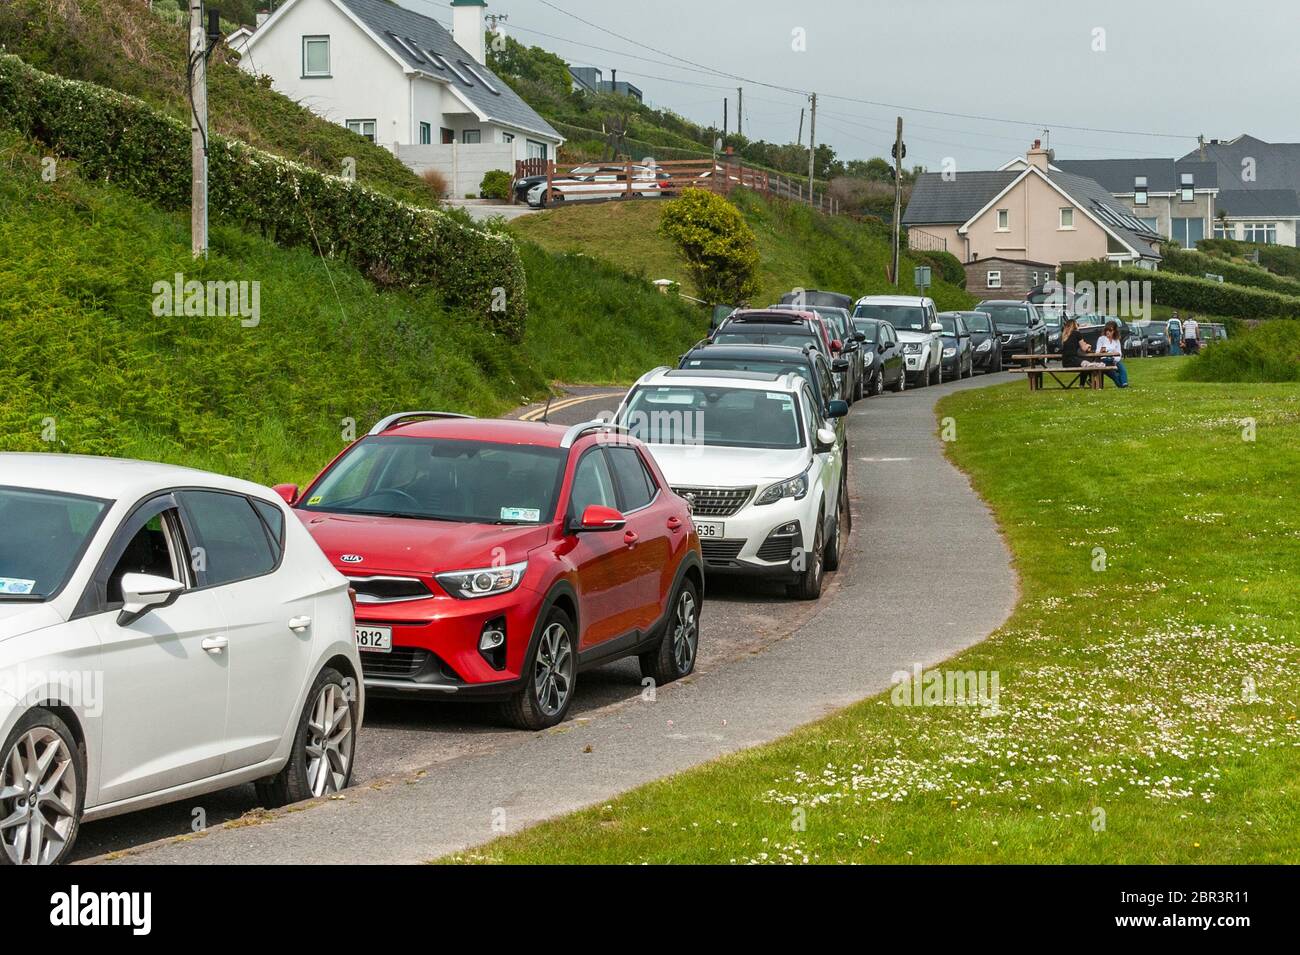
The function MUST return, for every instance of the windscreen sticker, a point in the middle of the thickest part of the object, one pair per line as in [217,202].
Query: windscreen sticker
[14,585]
[520,514]
[314,500]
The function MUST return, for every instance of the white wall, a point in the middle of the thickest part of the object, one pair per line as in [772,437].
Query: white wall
[463,166]
[365,81]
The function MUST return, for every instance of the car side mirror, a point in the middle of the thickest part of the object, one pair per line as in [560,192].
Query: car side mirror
[598,517]
[825,440]
[859,336]
[289,492]
[840,364]
[837,345]
[144,592]
[936,327]
[836,408]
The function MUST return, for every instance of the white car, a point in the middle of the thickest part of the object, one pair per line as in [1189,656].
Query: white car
[762,470]
[917,322]
[164,632]
[596,182]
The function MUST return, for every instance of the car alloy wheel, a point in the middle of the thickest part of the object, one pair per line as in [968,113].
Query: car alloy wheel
[686,632]
[38,798]
[329,741]
[553,671]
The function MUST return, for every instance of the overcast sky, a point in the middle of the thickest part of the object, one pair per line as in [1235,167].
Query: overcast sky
[1129,67]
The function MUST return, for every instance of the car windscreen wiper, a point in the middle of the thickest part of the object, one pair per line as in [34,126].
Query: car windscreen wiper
[23,598]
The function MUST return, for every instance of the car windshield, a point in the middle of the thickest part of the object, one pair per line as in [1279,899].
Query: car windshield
[908,318]
[473,482]
[716,416]
[44,535]
[801,369]
[978,322]
[1016,315]
[1156,331]
[949,323]
[796,337]
[868,329]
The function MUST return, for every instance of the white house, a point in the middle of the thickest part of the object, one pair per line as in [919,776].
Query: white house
[400,79]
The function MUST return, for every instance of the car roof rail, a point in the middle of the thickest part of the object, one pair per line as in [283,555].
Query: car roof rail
[578,430]
[394,419]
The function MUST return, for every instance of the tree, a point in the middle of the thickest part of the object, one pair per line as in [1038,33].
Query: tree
[720,248]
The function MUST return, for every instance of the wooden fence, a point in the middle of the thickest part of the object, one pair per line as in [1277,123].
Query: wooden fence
[619,180]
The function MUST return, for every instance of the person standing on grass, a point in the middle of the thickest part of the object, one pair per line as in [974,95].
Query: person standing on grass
[1192,335]
[1175,335]
[1110,350]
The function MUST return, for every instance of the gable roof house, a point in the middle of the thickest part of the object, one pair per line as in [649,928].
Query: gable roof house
[401,80]
[1259,189]
[1175,197]
[1028,212]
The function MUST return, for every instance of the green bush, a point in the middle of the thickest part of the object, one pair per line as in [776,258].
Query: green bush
[944,264]
[1268,352]
[1187,292]
[123,140]
[1238,273]
[1278,259]
[495,184]
[720,248]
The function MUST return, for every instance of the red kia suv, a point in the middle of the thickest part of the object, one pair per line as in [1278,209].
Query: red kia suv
[496,559]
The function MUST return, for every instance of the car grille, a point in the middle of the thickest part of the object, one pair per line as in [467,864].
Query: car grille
[714,501]
[374,590]
[777,548]
[401,662]
[720,551]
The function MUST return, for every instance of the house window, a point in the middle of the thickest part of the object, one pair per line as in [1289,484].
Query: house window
[315,56]
[471,136]
[1224,230]
[1004,220]
[1265,232]
[363,127]
[994,279]
[1187,187]
[1067,218]
[1140,191]
[535,149]
[1189,231]
[426,134]
[446,136]
[507,137]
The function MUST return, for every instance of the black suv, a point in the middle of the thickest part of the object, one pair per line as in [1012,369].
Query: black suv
[1020,324]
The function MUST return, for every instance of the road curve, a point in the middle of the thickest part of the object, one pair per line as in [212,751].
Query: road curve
[881,614]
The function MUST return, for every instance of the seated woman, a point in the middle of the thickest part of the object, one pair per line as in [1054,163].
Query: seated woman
[1074,348]
[1111,353]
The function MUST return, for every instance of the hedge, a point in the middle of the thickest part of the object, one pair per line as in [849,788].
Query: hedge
[1279,259]
[946,265]
[1187,292]
[120,139]
[1198,263]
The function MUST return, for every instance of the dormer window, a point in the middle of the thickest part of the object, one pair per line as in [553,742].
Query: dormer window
[1187,187]
[1140,191]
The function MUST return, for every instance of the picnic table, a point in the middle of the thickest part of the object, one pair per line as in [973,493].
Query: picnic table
[1035,369]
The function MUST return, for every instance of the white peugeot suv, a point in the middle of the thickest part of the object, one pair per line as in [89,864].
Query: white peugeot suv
[163,633]
[917,322]
[760,467]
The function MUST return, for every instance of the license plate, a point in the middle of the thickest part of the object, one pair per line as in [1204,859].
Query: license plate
[375,639]
[709,529]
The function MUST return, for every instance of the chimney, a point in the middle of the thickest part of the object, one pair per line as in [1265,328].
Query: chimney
[467,28]
[1037,156]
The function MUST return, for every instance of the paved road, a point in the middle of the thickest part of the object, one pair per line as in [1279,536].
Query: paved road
[432,778]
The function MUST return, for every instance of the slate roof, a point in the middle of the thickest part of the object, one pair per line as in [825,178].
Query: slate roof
[490,95]
[1163,175]
[1260,203]
[1277,165]
[935,201]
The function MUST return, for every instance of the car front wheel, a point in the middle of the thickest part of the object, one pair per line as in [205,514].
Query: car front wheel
[809,584]
[546,691]
[42,791]
[674,658]
[320,762]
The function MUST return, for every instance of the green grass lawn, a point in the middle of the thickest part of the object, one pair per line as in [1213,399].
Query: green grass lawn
[1147,711]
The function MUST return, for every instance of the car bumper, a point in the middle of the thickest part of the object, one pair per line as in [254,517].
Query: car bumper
[751,544]
[916,364]
[984,359]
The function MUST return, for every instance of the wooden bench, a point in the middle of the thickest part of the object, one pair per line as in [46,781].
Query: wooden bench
[1095,377]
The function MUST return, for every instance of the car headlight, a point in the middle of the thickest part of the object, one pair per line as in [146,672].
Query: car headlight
[484,582]
[868,357]
[911,348]
[795,487]
[985,345]
[949,351]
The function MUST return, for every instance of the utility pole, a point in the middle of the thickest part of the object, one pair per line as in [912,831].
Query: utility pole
[812,146]
[740,108]
[198,94]
[898,193]
[799,140]
[724,120]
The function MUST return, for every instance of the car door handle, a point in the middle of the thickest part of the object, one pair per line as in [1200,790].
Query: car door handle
[299,624]
[674,524]
[630,538]
[215,645]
